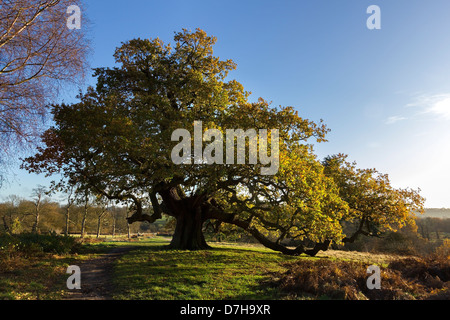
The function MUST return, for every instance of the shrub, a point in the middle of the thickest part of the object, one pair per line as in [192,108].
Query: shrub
[30,245]
[443,252]
[49,243]
[8,247]
[402,242]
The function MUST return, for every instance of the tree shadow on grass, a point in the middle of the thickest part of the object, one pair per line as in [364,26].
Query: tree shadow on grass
[158,272]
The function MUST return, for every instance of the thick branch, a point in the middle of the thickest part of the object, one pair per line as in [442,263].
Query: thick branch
[140,216]
[357,233]
[216,213]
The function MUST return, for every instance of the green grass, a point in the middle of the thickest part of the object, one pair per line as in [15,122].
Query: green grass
[42,277]
[34,279]
[226,272]
[151,271]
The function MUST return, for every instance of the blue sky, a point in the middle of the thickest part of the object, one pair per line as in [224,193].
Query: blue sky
[385,94]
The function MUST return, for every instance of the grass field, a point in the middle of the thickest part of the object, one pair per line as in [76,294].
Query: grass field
[41,277]
[227,272]
[150,271]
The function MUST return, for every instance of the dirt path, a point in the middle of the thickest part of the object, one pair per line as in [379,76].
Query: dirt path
[96,276]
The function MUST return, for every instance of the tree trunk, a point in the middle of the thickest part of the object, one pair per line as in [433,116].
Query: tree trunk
[83,222]
[189,232]
[128,225]
[113,232]
[35,227]
[99,222]
[189,215]
[5,224]
[66,232]
[99,226]
[83,226]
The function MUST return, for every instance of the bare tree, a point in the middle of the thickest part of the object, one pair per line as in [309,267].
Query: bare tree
[113,213]
[100,216]
[85,214]
[70,201]
[11,213]
[102,209]
[38,56]
[38,197]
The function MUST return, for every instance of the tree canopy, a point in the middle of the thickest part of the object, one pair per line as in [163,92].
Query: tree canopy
[117,142]
[38,55]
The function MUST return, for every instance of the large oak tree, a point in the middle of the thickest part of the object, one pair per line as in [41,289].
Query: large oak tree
[117,142]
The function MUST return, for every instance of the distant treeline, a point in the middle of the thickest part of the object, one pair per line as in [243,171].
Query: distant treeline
[433,228]
[436,213]
[429,235]
[19,215]
[88,217]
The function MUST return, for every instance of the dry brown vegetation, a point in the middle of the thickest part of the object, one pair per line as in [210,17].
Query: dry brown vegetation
[409,278]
